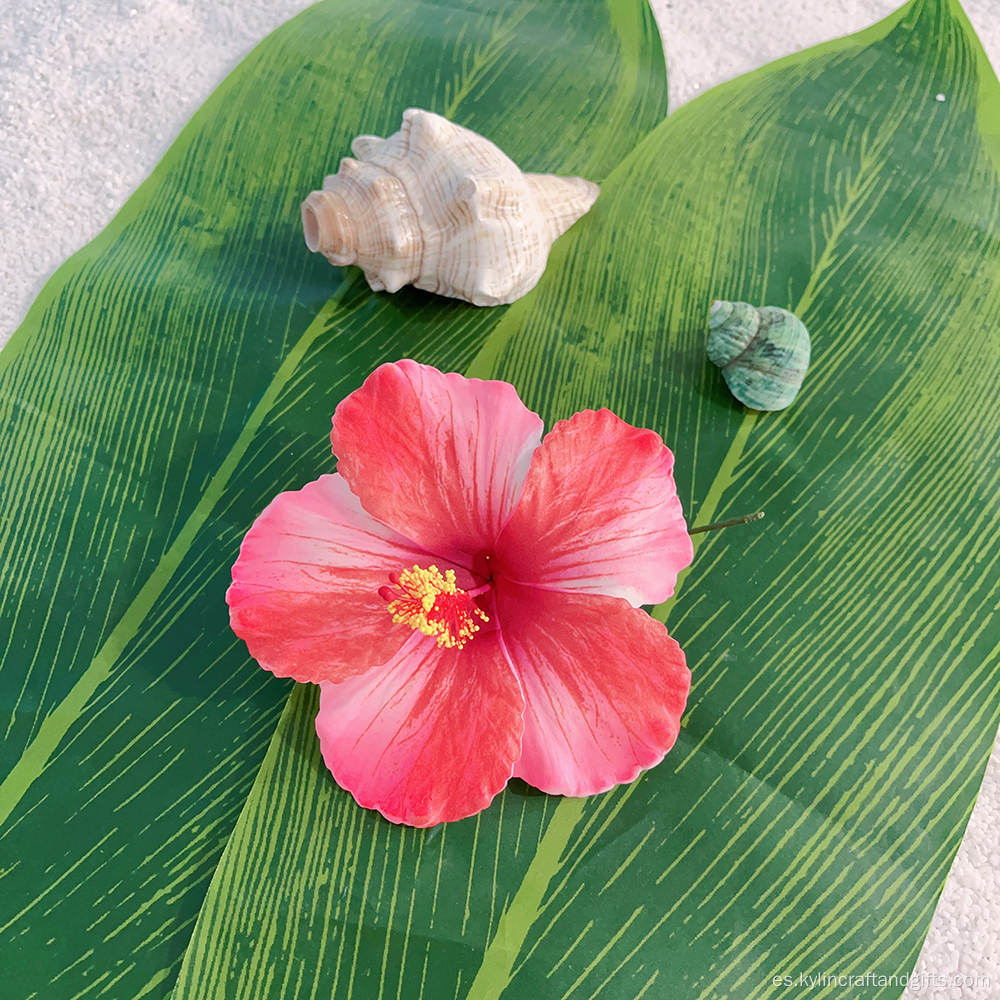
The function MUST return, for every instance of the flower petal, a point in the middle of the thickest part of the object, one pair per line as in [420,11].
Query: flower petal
[604,687]
[428,738]
[599,513]
[441,458]
[305,587]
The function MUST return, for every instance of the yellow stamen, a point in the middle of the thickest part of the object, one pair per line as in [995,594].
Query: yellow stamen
[431,603]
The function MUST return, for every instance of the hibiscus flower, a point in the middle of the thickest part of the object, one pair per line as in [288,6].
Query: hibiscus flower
[468,596]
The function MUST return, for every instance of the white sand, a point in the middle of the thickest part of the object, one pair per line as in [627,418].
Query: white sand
[92,92]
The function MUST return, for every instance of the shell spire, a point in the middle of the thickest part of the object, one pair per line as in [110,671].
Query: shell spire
[437,206]
[562,200]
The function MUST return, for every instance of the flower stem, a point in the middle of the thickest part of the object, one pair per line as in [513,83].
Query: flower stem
[724,478]
[745,519]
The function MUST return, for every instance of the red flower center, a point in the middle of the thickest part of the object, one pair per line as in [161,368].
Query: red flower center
[431,602]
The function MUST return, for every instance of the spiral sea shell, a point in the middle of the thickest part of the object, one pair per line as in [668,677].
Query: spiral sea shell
[440,207]
[763,352]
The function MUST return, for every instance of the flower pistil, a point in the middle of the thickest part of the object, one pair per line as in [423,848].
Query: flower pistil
[432,603]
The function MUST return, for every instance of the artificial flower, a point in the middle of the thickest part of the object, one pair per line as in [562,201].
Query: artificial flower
[467,596]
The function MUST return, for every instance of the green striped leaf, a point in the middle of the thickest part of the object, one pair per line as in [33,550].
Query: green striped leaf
[172,378]
[844,650]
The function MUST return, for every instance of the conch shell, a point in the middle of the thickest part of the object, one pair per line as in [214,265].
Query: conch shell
[440,207]
[763,352]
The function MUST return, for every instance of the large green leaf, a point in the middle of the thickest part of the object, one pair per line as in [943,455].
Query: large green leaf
[172,377]
[844,656]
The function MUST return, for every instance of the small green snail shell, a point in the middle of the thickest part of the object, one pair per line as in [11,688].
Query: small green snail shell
[763,352]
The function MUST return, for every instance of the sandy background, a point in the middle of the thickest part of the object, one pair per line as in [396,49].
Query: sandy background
[92,92]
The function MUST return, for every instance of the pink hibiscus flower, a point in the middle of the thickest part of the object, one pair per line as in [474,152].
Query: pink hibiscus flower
[467,596]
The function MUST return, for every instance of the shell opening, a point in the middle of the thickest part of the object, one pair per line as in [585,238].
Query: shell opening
[310,226]
[328,226]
